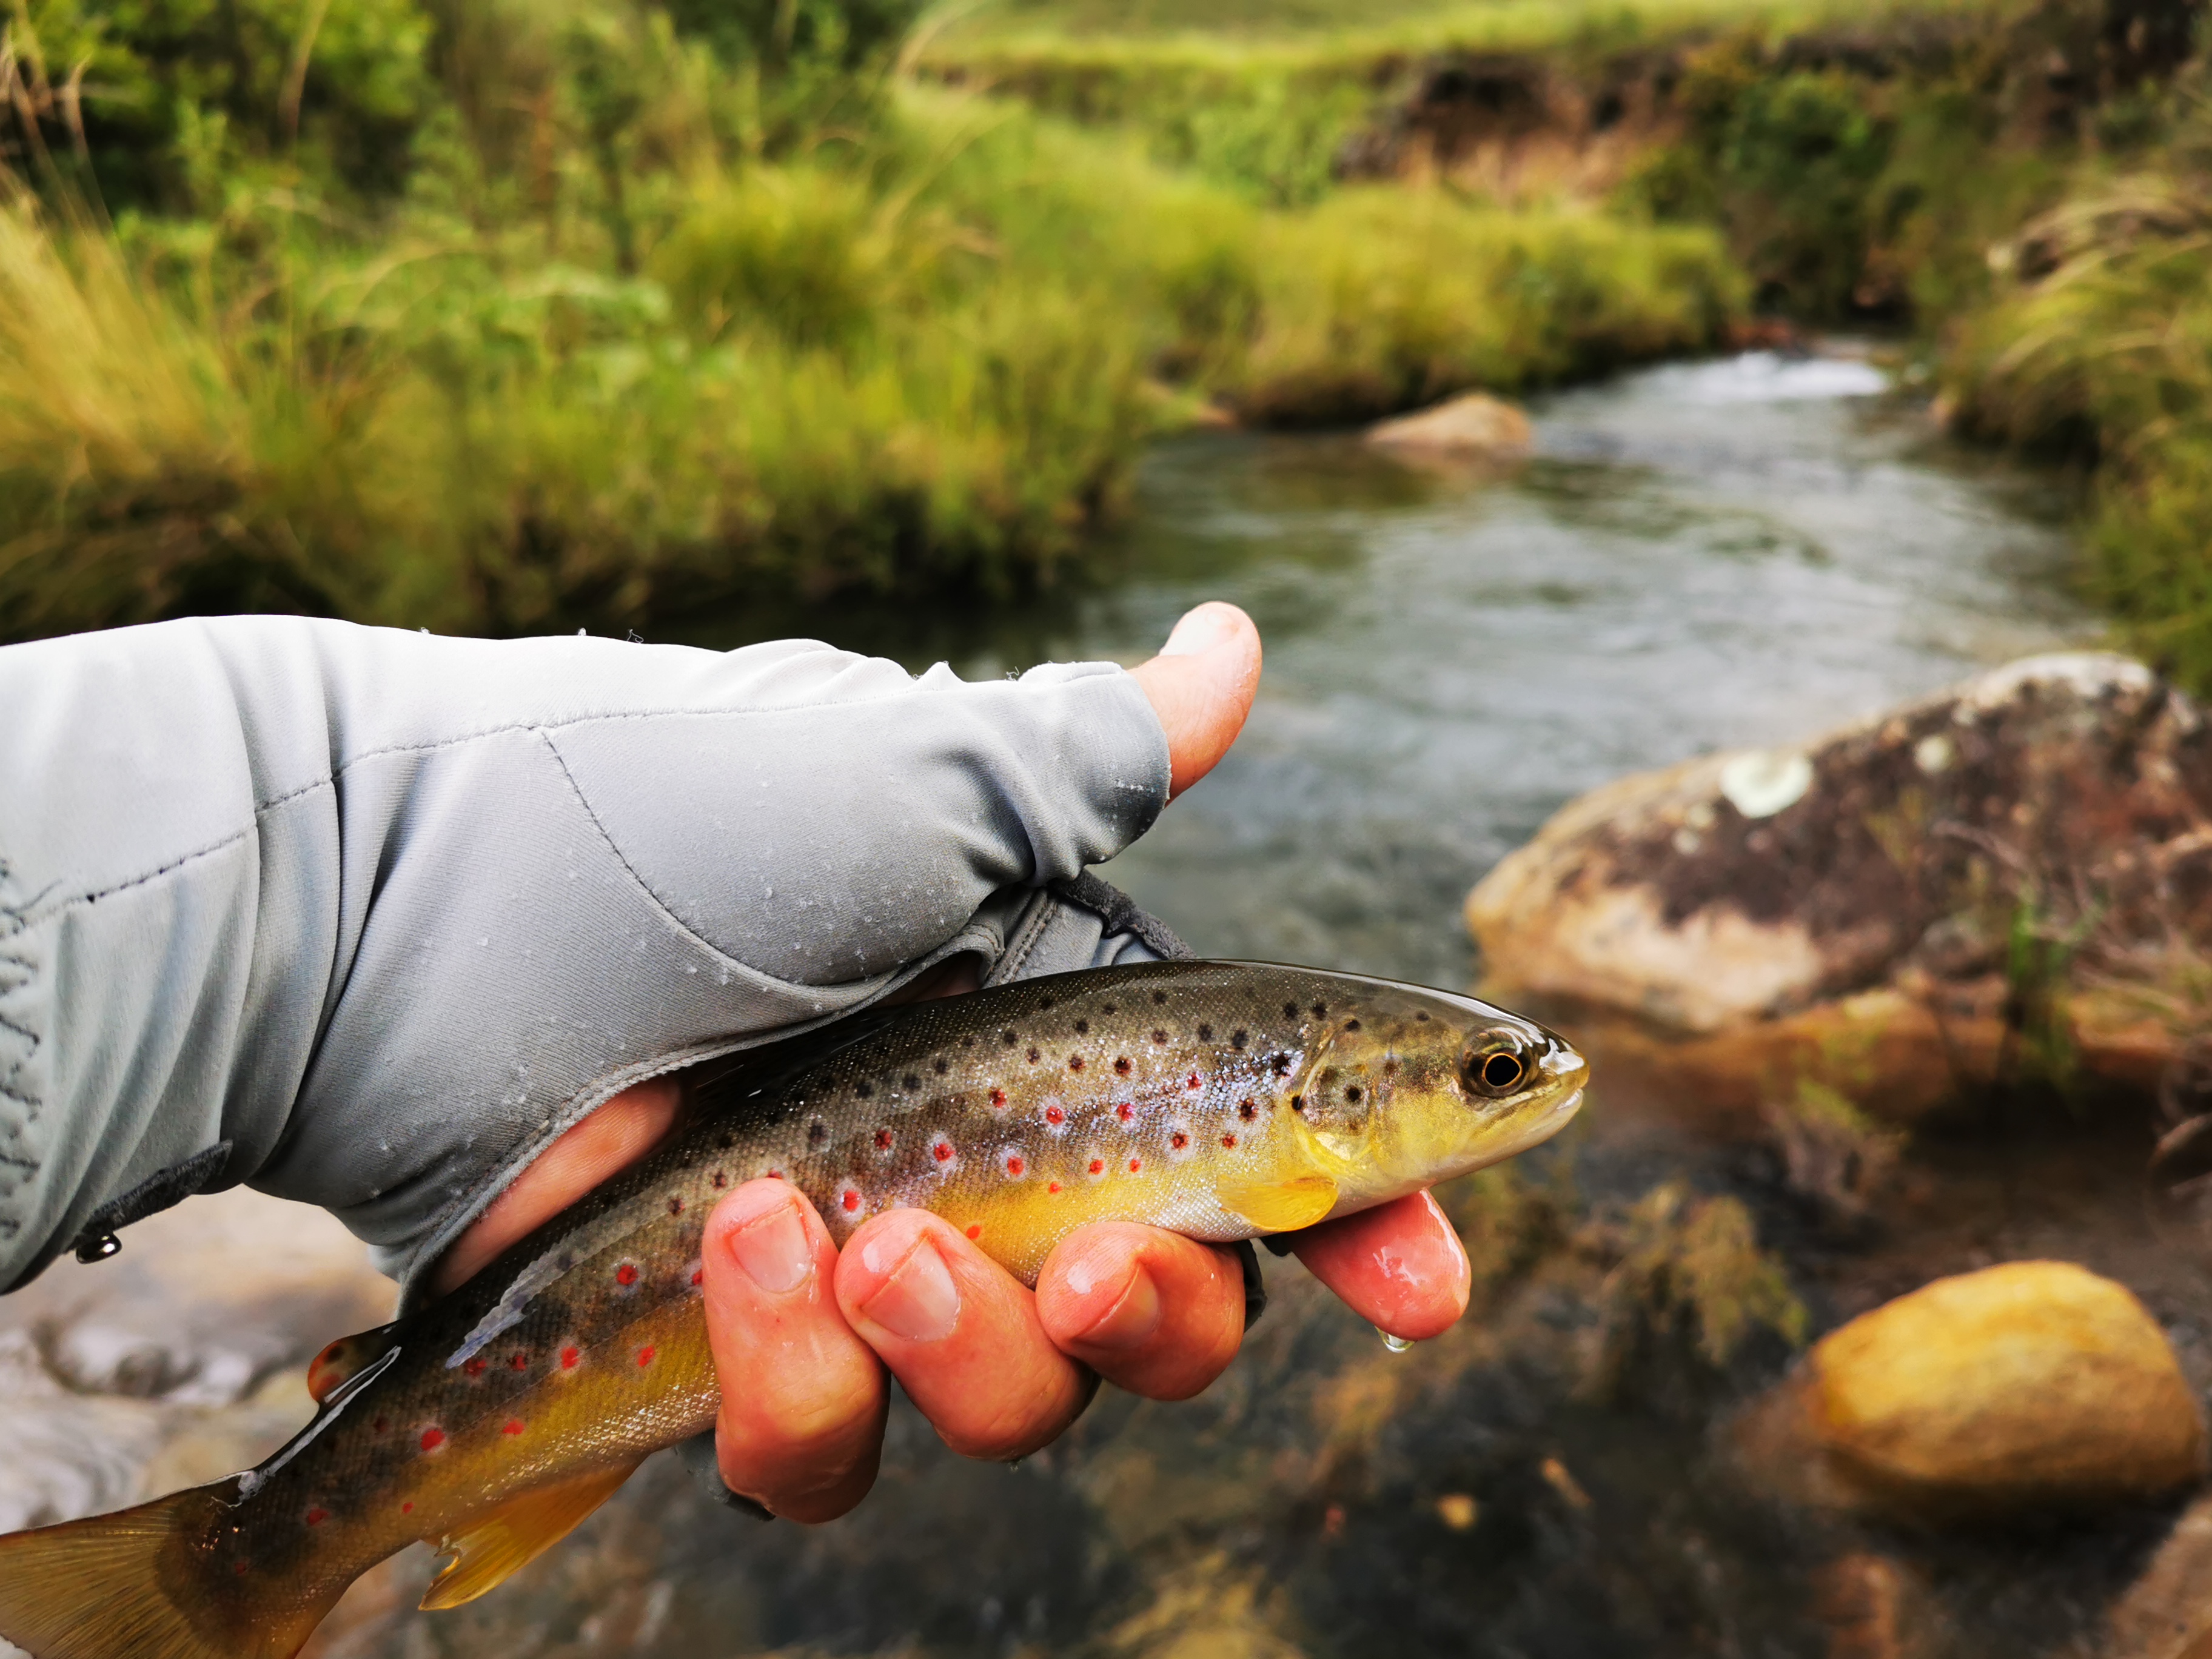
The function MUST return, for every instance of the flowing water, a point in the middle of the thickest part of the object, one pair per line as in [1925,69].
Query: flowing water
[1727,553]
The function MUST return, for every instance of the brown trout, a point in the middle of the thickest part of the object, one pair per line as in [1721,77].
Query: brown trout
[1222,1100]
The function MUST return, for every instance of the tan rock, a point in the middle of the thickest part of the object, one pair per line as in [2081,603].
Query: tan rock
[2166,1614]
[1848,907]
[1476,425]
[2030,1387]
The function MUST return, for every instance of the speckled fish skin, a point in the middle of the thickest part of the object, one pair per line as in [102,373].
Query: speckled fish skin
[1220,1100]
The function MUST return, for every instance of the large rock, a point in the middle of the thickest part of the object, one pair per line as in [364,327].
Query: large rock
[2029,1388]
[2015,874]
[1475,426]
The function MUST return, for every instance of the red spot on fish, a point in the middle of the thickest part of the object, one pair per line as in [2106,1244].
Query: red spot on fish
[698,1275]
[1122,1065]
[513,1426]
[883,1141]
[626,1274]
[1075,1062]
[1194,1080]
[942,1152]
[1229,1140]
[518,1362]
[1178,1140]
[316,1518]
[1054,1115]
[851,1200]
[240,1569]
[1052,1186]
[571,1357]
[998,1097]
[1125,1111]
[432,1438]
[1014,1164]
[407,1508]
[1135,1164]
[1098,1166]
[474,1367]
[975,1232]
[645,1356]
[775,1174]
[381,1425]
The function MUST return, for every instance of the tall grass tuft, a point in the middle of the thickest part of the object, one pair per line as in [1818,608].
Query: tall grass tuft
[2102,349]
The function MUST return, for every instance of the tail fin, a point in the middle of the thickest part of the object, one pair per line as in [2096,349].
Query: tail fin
[126,1586]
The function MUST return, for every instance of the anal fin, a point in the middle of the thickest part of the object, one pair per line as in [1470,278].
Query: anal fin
[1282,1207]
[516,1534]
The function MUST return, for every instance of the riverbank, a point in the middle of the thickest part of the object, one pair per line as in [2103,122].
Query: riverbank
[495,323]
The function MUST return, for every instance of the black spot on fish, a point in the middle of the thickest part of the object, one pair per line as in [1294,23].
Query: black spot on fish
[1351,1094]
[1205,1033]
[816,1133]
[1320,1010]
[1106,1008]
[1159,997]
[1352,1025]
[1034,1056]
[1298,1103]
[940,1067]
[1083,1028]
[1290,1010]
[724,1142]
[1048,1005]
[863,1089]
[1423,1018]
[1159,1035]
[910,1081]
[1008,1038]
[1237,1039]
[1281,1065]
[1247,1110]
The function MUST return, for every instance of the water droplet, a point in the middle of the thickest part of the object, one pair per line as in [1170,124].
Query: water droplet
[1396,1344]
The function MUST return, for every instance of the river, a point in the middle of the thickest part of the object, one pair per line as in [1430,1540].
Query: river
[1734,552]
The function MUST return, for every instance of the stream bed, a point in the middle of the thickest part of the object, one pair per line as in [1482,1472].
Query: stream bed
[1734,552]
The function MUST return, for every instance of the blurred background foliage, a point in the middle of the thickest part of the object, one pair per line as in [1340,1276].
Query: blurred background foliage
[478,315]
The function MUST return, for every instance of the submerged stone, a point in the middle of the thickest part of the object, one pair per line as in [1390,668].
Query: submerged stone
[2032,1388]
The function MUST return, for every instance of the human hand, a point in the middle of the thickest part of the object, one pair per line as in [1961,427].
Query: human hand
[803,1334]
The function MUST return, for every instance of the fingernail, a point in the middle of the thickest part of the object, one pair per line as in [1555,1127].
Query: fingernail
[1130,1320]
[775,1250]
[1199,629]
[918,1303]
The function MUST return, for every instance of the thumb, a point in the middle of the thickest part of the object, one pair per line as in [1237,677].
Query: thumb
[1200,686]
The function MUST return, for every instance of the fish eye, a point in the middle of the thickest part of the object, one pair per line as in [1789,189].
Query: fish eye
[1496,1069]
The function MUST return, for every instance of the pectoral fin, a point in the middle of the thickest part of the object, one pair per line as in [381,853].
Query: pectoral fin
[516,1534]
[1282,1207]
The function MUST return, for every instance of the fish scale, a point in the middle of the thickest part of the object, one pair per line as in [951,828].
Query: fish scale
[1219,1100]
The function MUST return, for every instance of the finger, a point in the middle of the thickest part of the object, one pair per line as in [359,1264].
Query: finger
[1399,1265]
[1158,1313]
[612,1139]
[960,1333]
[801,1423]
[1202,687]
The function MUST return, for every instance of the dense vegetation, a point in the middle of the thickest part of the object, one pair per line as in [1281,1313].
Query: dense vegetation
[480,315]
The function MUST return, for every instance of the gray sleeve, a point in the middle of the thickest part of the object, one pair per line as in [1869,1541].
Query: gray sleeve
[367,918]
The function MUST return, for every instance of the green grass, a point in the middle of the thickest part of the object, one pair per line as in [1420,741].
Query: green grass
[652,327]
[2099,346]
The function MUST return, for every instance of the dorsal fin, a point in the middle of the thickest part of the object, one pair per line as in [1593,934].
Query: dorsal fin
[1281,1207]
[345,1359]
[513,1535]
